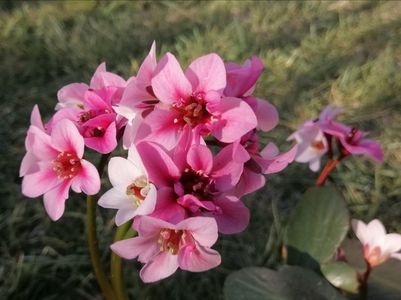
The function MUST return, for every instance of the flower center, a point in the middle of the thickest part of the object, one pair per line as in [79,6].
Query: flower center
[66,165]
[195,183]
[169,240]
[318,145]
[139,190]
[375,257]
[192,111]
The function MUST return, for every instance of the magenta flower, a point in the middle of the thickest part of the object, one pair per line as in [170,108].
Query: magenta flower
[241,82]
[378,246]
[353,142]
[191,182]
[195,99]
[164,247]
[91,109]
[132,193]
[59,167]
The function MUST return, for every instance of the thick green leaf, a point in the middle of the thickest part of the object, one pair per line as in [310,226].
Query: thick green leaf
[384,281]
[317,227]
[341,275]
[289,283]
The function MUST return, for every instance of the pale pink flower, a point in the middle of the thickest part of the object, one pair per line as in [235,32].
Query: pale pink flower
[164,247]
[191,182]
[59,167]
[195,99]
[311,139]
[241,82]
[378,246]
[312,144]
[132,193]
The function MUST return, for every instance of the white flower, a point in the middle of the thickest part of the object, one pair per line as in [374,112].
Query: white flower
[377,245]
[132,193]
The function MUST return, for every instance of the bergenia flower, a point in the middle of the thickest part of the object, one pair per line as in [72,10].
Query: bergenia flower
[195,99]
[164,247]
[241,82]
[353,141]
[91,109]
[60,166]
[132,193]
[378,246]
[311,139]
[312,144]
[191,182]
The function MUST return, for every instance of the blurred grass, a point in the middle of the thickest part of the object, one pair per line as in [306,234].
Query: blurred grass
[346,53]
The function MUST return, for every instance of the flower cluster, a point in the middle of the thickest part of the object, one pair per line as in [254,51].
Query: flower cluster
[193,152]
[316,137]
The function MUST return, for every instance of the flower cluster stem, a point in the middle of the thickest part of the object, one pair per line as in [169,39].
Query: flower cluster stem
[363,288]
[94,253]
[117,279]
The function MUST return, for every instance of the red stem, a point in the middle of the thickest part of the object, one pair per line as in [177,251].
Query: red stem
[330,166]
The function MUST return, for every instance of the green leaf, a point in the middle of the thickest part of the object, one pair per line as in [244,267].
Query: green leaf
[317,227]
[341,275]
[289,283]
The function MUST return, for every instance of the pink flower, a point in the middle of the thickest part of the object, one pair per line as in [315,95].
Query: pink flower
[164,247]
[91,109]
[353,142]
[138,99]
[377,245]
[132,193]
[59,167]
[267,161]
[191,182]
[195,99]
[241,82]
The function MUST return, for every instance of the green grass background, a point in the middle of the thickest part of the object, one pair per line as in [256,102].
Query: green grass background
[346,53]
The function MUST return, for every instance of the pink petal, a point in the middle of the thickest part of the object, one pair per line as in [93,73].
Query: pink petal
[106,143]
[66,137]
[54,200]
[200,158]
[94,102]
[29,164]
[161,266]
[370,148]
[169,82]
[145,72]
[228,166]
[36,119]
[207,73]
[236,119]
[167,207]
[250,182]
[361,231]
[396,256]
[161,169]
[234,215]
[376,229]
[71,95]
[36,184]
[41,145]
[144,247]
[266,113]
[88,179]
[241,80]
[102,79]
[196,258]
[193,204]
[150,226]
[277,163]
[203,229]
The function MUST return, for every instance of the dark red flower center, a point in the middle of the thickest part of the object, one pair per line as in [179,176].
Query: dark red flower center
[67,165]
[195,183]
[191,111]
[169,240]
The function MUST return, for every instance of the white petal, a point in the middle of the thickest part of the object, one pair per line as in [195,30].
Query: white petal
[122,172]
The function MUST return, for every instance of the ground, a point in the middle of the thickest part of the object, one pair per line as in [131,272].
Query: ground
[345,53]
